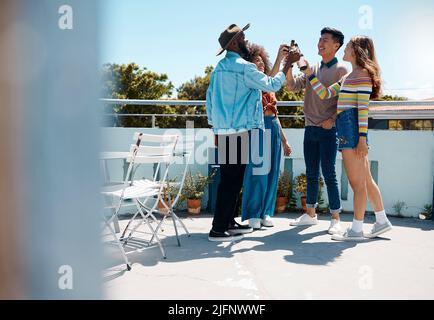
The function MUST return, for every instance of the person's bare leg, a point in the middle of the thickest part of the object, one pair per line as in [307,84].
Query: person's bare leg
[311,212]
[307,219]
[382,224]
[356,169]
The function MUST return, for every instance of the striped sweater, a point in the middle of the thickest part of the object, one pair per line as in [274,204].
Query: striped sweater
[352,92]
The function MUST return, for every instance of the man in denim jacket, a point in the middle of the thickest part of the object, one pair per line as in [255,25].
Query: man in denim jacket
[234,108]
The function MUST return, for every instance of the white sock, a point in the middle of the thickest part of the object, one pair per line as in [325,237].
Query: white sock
[381,217]
[357,226]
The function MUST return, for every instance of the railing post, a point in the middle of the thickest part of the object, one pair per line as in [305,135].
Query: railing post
[153,121]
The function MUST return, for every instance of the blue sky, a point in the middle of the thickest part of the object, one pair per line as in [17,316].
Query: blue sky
[179,38]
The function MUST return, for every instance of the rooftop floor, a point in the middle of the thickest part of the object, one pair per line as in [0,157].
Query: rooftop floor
[282,262]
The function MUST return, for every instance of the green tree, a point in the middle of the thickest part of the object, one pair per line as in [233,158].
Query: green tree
[285,95]
[195,89]
[129,81]
[388,97]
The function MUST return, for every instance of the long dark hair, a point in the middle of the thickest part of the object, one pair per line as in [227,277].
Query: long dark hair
[364,51]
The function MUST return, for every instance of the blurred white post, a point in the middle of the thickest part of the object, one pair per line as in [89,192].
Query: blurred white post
[59,64]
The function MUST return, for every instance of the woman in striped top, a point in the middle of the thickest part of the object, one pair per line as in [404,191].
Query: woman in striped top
[354,91]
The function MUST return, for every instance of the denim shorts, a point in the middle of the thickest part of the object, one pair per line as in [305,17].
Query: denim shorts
[347,126]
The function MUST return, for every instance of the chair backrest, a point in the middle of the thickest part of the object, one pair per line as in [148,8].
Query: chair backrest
[186,143]
[156,138]
[184,151]
[151,149]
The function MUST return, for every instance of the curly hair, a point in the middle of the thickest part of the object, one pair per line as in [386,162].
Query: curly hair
[257,50]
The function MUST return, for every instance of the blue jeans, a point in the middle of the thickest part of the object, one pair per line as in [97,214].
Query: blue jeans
[320,149]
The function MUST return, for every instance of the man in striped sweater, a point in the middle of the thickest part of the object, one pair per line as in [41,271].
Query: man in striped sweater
[320,143]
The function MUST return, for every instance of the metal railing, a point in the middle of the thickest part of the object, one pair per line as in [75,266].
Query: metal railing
[374,113]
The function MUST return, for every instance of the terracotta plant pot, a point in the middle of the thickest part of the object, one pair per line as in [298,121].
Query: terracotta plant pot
[162,209]
[193,206]
[303,203]
[281,203]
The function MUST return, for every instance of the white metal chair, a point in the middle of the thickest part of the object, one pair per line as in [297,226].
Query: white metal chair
[137,190]
[183,153]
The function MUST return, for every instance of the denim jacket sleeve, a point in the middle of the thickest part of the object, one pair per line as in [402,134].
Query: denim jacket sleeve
[255,79]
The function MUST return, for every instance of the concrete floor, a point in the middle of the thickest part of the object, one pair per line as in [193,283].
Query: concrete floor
[281,263]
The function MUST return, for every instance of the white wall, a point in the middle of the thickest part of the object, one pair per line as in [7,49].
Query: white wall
[406,163]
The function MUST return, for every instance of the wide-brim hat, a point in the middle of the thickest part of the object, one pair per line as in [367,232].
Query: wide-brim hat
[228,35]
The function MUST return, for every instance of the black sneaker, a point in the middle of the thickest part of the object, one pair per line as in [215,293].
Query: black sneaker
[237,228]
[217,236]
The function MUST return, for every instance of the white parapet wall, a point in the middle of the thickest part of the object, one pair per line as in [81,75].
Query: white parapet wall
[405,162]
[405,167]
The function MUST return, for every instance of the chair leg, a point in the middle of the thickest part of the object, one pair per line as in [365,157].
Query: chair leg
[176,231]
[149,210]
[175,219]
[153,218]
[134,229]
[158,228]
[121,249]
[182,223]
[158,239]
[116,225]
[125,239]
[154,234]
[128,225]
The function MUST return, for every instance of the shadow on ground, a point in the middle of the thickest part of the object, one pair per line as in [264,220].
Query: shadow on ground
[296,241]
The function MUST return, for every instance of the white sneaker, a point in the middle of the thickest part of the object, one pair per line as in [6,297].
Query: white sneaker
[255,223]
[305,220]
[267,221]
[335,227]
